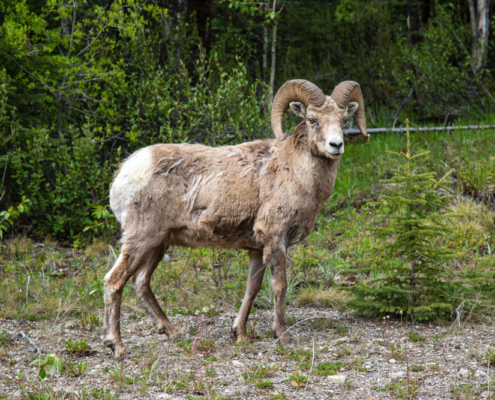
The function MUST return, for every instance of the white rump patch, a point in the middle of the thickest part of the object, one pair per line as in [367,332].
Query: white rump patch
[134,174]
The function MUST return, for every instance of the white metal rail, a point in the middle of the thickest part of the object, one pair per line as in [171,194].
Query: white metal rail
[353,131]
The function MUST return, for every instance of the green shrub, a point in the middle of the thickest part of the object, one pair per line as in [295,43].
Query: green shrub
[411,274]
[73,105]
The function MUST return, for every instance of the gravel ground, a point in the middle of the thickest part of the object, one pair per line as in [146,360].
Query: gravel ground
[446,361]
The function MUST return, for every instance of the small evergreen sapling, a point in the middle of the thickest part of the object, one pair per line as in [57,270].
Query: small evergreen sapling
[410,274]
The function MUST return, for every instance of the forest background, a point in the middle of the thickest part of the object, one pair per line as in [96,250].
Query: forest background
[85,83]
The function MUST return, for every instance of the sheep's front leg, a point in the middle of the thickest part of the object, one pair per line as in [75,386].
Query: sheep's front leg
[253,286]
[276,258]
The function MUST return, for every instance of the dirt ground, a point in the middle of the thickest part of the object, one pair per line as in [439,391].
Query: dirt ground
[336,356]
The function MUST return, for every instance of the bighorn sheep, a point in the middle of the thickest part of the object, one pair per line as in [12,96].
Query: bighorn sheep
[262,196]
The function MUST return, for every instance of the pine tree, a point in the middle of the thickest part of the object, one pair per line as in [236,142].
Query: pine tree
[410,276]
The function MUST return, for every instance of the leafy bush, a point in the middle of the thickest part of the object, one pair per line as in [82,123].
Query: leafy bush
[391,49]
[9,216]
[76,100]
[438,69]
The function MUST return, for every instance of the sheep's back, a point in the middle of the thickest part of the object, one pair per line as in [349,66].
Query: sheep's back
[204,196]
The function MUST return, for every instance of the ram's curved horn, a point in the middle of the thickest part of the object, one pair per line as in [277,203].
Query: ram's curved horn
[348,91]
[294,90]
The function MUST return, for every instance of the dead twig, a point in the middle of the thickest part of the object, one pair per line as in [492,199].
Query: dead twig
[312,364]
[30,341]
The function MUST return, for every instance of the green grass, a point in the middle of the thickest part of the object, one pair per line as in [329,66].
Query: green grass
[40,282]
[415,337]
[469,152]
[329,368]
[47,282]
[258,375]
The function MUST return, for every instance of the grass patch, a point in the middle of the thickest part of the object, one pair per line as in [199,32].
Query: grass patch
[415,337]
[329,298]
[329,368]
[41,281]
[258,375]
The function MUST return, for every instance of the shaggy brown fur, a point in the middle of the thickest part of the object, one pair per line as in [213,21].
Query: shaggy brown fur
[262,196]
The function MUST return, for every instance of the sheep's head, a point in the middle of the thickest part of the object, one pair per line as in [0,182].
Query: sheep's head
[324,116]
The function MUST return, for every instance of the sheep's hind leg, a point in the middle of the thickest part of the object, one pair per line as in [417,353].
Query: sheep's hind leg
[141,284]
[114,283]
[276,258]
[253,286]
[131,259]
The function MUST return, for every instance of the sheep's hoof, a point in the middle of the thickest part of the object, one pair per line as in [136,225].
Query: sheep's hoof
[239,337]
[119,352]
[168,330]
[118,349]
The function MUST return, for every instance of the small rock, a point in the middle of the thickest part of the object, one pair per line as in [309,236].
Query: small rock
[392,361]
[166,258]
[337,379]
[397,375]
[237,363]
[485,394]
[479,373]
[70,325]
[463,372]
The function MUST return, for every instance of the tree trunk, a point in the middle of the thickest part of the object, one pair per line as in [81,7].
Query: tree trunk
[480,27]
[425,16]
[408,23]
[274,48]
[203,21]
[265,52]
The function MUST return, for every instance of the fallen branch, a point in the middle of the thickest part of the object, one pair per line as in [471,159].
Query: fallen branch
[30,341]
[351,132]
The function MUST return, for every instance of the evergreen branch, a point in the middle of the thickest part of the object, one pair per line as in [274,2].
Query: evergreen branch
[444,177]
[401,154]
[424,153]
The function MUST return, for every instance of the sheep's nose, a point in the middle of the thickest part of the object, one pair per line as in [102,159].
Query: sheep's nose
[338,145]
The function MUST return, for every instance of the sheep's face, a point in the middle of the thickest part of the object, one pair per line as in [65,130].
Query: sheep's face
[324,125]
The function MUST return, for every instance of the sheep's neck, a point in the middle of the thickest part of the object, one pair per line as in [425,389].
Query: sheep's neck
[325,173]
[314,173]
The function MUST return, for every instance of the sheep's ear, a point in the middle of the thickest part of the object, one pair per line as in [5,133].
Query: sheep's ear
[298,108]
[351,109]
